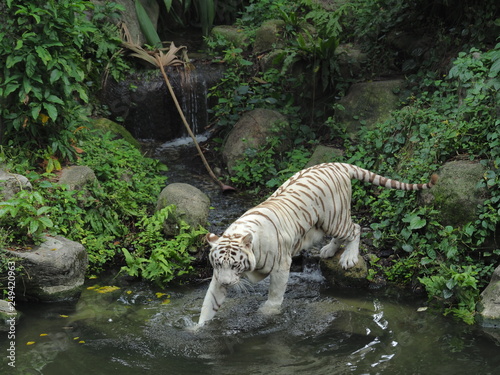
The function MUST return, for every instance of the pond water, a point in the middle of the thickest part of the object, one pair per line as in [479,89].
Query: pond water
[136,328]
[119,327]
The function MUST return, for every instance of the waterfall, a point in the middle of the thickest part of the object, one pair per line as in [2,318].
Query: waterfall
[143,104]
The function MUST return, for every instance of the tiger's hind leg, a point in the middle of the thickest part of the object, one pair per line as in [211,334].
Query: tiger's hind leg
[329,250]
[350,255]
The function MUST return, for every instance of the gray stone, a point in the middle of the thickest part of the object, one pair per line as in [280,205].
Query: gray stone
[192,206]
[251,132]
[368,103]
[456,194]
[336,275]
[11,184]
[324,154]
[232,34]
[54,270]
[8,315]
[267,36]
[76,177]
[350,60]
[489,306]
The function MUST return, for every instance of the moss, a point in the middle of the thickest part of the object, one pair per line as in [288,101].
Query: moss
[121,133]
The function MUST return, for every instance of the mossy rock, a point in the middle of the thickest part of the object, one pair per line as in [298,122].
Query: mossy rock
[457,194]
[324,154]
[118,130]
[369,103]
[232,34]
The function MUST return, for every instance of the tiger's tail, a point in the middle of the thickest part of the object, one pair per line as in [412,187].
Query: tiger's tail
[375,179]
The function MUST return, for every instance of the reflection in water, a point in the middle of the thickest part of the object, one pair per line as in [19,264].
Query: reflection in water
[320,330]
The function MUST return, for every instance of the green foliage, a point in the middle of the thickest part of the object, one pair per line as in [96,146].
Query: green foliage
[25,217]
[450,116]
[47,56]
[157,258]
[269,164]
[104,217]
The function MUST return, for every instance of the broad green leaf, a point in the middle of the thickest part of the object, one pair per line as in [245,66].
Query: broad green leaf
[46,222]
[51,111]
[33,226]
[417,222]
[147,26]
[43,54]
[55,75]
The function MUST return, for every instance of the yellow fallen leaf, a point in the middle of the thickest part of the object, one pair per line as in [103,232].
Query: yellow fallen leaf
[165,302]
[81,342]
[129,292]
[43,334]
[107,289]
[92,277]
[63,316]
[159,295]
[54,249]
[30,343]
[76,338]
[92,287]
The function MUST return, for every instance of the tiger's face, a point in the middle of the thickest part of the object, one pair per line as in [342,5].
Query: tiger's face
[230,256]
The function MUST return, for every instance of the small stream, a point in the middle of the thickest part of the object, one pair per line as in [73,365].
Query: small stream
[122,327]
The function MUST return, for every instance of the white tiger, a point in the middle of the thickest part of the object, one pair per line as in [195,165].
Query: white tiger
[313,203]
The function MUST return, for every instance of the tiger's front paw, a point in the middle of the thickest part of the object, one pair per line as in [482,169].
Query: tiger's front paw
[269,308]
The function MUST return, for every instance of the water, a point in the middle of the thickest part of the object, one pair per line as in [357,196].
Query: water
[122,327]
[321,330]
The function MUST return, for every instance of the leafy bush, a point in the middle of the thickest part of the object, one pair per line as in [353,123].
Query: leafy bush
[157,258]
[48,60]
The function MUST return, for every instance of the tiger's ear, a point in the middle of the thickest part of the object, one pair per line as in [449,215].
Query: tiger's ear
[211,238]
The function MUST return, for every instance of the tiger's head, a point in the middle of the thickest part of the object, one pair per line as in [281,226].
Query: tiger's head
[230,256]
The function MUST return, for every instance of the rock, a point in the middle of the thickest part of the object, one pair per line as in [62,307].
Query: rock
[350,60]
[489,306]
[55,270]
[192,206]
[456,194]
[251,132]
[76,177]
[324,154]
[8,316]
[232,34]
[336,275]
[11,184]
[368,103]
[118,130]
[267,36]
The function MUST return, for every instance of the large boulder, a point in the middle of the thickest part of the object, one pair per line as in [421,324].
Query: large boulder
[489,307]
[457,194]
[368,103]
[251,132]
[192,206]
[54,270]
[11,184]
